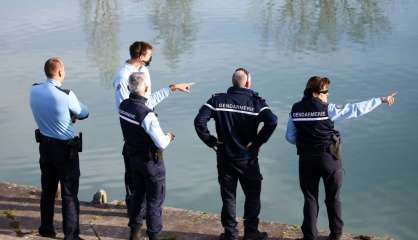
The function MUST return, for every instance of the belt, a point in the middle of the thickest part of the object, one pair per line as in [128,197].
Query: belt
[50,140]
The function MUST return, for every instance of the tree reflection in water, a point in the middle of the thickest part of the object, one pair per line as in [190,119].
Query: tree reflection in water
[175,27]
[320,25]
[100,19]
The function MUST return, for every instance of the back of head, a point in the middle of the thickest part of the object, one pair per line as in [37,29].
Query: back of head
[241,78]
[52,67]
[315,84]
[139,48]
[137,83]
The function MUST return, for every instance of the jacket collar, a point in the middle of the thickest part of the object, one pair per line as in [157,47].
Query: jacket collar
[138,98]
[238,90]
[54,82]
[314,99]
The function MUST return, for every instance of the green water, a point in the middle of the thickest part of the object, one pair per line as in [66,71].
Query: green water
[367,48]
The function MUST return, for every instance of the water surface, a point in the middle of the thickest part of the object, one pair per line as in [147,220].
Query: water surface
[366,47]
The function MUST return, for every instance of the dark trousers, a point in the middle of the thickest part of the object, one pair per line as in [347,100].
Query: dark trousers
[148,181]
[249,176]
[128,179]
[59,163]
[311,169]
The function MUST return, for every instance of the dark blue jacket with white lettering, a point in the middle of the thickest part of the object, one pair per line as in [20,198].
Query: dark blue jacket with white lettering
[313,126]
[132,112]
[237,115]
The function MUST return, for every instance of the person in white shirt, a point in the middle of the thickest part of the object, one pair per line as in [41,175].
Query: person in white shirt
[140,58]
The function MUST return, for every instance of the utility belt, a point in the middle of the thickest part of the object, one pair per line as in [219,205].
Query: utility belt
[151,153]
[334,148]
[75,143]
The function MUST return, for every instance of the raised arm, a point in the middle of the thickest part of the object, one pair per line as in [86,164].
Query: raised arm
[354,110]
[158,96]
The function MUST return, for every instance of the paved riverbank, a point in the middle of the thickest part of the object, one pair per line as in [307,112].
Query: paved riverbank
[19,218]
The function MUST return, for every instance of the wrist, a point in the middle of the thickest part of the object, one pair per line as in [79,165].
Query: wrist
[172,87]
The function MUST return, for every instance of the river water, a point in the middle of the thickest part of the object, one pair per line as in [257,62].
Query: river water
[366,47]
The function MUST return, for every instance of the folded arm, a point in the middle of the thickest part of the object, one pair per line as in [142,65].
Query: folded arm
[78,109]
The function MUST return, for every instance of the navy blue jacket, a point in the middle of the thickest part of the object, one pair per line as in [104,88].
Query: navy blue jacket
[314,128]
[237,115]
[132,112]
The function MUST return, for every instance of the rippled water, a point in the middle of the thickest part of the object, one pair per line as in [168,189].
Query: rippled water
[367,48]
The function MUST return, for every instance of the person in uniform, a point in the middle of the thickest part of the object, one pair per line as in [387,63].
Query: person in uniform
[237,115]
[140,59]
[144,142]
[311,128]
[55,109]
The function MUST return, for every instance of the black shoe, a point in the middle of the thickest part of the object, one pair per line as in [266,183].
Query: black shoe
[256,236]
[135,234]
[79,238]
[334,236]
[223,237]
[47,234]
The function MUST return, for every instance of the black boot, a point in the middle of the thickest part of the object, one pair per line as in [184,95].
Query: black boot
[224,237]
[255,236]
[334,236]
[135,234]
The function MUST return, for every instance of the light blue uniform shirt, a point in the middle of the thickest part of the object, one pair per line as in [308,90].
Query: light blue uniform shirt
[120,84]
[51,107]
[350,110]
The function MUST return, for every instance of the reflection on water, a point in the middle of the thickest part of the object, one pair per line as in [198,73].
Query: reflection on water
[174,25]
[92,35]
[100,22]
[306,25]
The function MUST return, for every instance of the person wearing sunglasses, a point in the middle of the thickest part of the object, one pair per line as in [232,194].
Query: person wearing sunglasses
[311,128]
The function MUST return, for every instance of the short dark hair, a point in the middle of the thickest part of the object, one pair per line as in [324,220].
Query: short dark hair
[139,48]
[235,81]
[315,84]
[51,66]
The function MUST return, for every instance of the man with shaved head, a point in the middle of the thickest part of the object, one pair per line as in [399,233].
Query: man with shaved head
[55,111]
[237,114]
[144,143]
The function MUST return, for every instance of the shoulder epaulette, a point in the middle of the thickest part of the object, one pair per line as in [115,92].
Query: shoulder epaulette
[66,91]
[217,94]
[258,96]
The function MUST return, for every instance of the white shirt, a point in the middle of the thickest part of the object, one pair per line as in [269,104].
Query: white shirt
[120,84]
[152,127]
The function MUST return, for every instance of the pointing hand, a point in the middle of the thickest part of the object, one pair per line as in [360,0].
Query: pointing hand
[184,87]
[390,99]
[171,136]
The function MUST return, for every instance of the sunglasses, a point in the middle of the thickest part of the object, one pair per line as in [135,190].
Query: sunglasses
[324,91]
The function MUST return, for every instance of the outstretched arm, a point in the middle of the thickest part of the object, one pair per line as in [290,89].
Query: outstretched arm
[158,96]
[354,110]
